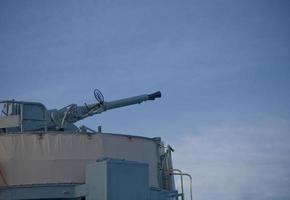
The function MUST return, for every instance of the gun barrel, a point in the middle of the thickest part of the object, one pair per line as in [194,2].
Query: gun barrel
[68,115]
[131,100]
[154,95]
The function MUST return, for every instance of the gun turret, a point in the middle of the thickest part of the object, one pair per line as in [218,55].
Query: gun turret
[20,116]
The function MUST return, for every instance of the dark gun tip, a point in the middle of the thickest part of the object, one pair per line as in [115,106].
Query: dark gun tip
[154,95]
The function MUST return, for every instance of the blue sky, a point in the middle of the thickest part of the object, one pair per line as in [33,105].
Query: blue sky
[223,68]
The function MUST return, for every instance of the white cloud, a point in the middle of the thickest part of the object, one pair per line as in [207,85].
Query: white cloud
[238,162]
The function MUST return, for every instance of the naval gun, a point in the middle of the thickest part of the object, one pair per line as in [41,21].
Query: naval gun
[21,116]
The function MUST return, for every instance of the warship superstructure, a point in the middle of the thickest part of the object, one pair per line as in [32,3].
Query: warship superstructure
[44,155]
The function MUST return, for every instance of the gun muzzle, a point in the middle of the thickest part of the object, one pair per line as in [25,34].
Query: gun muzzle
[154,95]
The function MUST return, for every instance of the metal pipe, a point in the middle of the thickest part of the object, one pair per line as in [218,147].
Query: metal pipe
[108,105]
[21,118]
[181,180]
[125,102]
[190,180]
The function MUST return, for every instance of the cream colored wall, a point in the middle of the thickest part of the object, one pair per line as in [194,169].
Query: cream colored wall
[61,158]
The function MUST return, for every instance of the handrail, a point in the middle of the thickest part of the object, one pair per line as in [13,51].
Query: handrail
[181,174]
[181,180]
[190,180]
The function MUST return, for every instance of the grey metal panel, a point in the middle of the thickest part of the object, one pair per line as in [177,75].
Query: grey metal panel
[159,194]
[56,191]
[96,180]
[128,180]
[117,180]
[33,117]
[10,121]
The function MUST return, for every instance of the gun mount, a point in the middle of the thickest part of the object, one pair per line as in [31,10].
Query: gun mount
[20,116]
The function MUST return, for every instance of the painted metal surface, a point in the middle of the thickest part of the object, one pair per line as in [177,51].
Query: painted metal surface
[61,158]
[120,179]
[108,179]
[43,155]
[35,117]
[10,121]
[46,191]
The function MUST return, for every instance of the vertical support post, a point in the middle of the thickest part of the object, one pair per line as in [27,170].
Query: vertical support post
[181,180]
[190,180]
[21,117]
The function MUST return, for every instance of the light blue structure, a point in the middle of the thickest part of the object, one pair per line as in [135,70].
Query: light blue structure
[20,116]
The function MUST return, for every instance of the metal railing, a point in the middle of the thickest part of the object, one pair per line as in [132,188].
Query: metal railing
[181,174]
